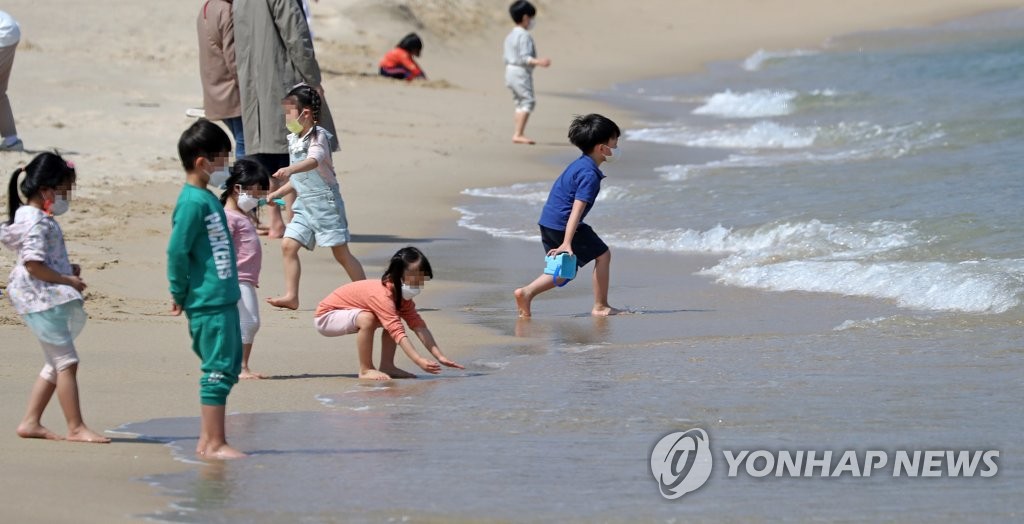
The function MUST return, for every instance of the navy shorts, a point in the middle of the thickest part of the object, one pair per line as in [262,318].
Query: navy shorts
[586,245]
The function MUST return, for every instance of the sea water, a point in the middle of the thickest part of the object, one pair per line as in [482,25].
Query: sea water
[881,166]
[847,221]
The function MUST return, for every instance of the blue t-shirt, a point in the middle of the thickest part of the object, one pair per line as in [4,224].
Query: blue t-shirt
[580,181]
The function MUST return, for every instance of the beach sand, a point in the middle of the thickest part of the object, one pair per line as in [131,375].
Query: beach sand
[108,84]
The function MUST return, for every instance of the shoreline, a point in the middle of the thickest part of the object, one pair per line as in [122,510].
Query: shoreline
[128,306]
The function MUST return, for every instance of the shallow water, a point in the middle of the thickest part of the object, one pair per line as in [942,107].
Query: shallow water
[926,354]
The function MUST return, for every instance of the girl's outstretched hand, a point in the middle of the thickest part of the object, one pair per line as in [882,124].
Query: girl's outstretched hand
[450,363]
[282,174]
[429,366]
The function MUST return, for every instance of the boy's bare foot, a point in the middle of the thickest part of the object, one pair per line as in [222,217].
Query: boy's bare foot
[523,302]
[394,372]
[85,434]
[249,375]
[373,374]
[522,140]
[26,430]
[222,452]
[285,302]
[607,311]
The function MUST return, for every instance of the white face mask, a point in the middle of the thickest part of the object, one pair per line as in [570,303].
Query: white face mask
[247,202]
[59,205]
[616,155]
[219,177]
[531,24]
[408,292]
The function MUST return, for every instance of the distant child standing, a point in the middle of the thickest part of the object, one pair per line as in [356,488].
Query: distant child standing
[201,268]
[520,59]
[318,216]
[45,288]
[399,62]
[247,185]
[362,307]
[217,70]
[572,196]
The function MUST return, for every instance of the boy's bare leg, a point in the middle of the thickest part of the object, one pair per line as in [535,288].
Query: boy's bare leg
[519,137]
[246,372]
[367,324]
[213,444]
[67,394]
[292,271]
[31,426]
[602,272]
[349,262]
[524,295]
[387,357]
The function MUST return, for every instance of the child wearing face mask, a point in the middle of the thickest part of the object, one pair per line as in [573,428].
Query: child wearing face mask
[46,290]
[203,275]
[318,215]
[572,196]
[247,188]
[362,307]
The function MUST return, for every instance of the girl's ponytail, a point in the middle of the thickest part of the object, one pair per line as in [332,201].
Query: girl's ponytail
[13,199]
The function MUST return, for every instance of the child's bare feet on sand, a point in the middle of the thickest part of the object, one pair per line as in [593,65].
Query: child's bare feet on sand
[249,375]
[85,434]
[607,311]
[27,430]
[523,302]
[522,140]
[285,302]
[222,452]
[373,374]
[394,372]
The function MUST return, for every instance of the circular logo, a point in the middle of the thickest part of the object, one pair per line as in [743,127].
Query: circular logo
[681,462]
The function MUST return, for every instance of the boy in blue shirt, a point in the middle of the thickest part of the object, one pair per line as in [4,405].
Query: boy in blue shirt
[203,276]
[571,198]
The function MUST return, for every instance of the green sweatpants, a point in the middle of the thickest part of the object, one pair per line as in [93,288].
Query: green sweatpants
[217,340]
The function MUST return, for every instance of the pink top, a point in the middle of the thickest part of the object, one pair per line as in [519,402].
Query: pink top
[375,297]
[248,250]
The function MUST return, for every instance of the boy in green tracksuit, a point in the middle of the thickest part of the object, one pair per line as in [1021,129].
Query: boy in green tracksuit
[204,281]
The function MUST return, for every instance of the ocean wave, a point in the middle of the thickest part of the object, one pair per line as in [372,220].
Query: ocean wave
[939,286]
[537,193]
[847,259]
[754,104]
[757,60]
[471,220]
[761,135]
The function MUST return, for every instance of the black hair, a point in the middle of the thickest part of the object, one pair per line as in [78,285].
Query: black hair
[202,139]
[401,261]
[586,132]
[411,43]
[45,171]
[304,96]
[245,173]
[521,8]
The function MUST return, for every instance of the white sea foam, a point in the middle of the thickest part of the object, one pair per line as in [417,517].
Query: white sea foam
[757,60]
[848,259]
[761,135]
[920,285]
[755,104]
[471,220]
[537,193]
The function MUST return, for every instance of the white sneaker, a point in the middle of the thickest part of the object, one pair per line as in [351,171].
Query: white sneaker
[195,112]
[17,145]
